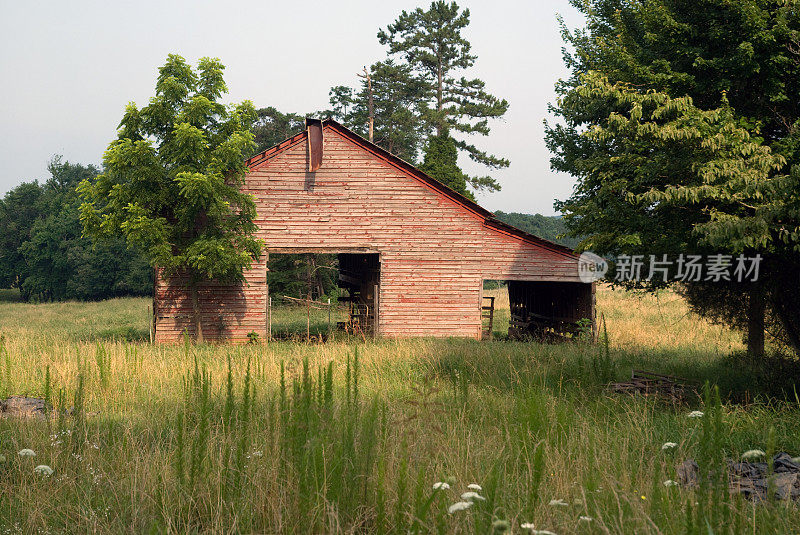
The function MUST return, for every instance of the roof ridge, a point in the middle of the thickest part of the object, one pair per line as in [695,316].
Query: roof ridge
[488,217]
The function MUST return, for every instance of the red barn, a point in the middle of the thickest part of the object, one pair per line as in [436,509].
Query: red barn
[413,252]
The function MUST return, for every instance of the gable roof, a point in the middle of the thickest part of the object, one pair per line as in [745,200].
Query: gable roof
[469,205]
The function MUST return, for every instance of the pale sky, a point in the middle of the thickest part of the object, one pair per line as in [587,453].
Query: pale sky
[67,70]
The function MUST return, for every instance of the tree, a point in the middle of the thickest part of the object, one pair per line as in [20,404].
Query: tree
[43,253]
[272,126]
[432,45]
[171,183]
[551,228]
[400,125]
[680,123]
[18,213]
[441,163]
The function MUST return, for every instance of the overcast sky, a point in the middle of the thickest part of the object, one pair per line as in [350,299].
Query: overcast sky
[67,69]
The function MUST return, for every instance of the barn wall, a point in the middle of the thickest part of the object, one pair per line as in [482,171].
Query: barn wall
[434,252]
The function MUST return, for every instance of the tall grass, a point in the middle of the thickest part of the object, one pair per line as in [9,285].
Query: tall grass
[351,437]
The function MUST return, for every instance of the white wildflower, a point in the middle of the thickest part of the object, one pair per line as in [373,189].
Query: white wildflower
[578,501]
[558,502]
[696,414]
[459,506]
[472,496]
[670,483]
[528,525]
[258,454]
[27,453]
[585,519]
[44,470]
[475,487]
[669,446]
[440,485]
[753,454]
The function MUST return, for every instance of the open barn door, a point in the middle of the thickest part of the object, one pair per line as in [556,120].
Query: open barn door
[360,275]
[550,311]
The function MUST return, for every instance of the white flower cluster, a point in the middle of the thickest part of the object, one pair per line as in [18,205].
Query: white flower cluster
[753,454]
[468,498]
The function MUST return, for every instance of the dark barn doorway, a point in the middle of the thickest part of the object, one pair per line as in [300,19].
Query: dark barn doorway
[314,295]
[550,311]
[360,275]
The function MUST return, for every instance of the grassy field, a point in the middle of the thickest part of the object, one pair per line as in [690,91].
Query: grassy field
[351,436]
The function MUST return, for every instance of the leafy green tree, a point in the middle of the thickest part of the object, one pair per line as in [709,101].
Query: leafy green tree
[42,250]
[171,181]
[441,163]
[432,45]
[18,213]
[681,123]
[398,97]
[272,126]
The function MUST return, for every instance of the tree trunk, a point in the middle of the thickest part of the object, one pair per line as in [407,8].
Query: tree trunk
[197,317]
[788,318]
[439,99]
[755,322]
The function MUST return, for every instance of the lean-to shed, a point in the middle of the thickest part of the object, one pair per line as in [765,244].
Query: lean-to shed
[415,252]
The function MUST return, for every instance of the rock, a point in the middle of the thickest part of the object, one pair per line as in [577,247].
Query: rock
[22,407]
[752,480]
[689,473]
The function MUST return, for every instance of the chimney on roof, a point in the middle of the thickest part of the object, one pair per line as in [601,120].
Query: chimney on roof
[314,129]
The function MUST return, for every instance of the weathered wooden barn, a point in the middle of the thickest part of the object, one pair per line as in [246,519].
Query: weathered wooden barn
[413,253]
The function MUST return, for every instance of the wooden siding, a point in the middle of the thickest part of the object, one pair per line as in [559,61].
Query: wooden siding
[434,250]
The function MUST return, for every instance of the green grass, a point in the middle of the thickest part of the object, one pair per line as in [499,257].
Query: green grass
[350,436]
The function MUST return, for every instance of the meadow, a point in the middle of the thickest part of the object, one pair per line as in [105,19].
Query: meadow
[352,436]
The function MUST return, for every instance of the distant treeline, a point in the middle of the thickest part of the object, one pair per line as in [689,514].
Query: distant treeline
[550,228]
[43,254]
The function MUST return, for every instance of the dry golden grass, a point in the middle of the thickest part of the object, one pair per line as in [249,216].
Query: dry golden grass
[529,422]
[647,321]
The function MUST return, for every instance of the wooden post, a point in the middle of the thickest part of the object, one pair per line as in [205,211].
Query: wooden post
[150,321]
[375,311]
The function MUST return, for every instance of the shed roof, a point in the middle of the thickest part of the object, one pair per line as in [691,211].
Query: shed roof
[469,205]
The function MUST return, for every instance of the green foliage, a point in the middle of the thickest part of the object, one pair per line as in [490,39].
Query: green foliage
[171,180]
[550,228]
[43,253]
[399,97]
[680,122]
[301,275]
[432,45]
[441,163]
[19,210]
[272,126]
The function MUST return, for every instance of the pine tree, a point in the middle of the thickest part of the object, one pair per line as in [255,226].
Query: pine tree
[432,45]
[398,97]
[441,163]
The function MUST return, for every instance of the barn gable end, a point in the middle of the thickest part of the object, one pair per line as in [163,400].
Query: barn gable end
[435,247]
